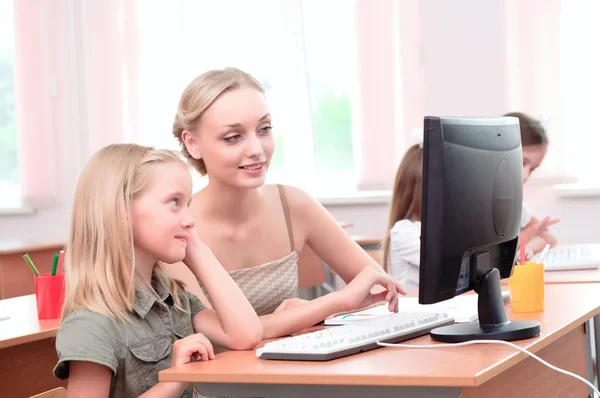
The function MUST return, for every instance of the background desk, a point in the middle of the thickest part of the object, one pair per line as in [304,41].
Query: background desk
[577,276]
[27,350]
[474,371]
[16,279]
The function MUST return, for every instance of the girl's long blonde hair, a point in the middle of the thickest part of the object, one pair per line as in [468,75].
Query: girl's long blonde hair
[99,262]
[406,196]
[199,95]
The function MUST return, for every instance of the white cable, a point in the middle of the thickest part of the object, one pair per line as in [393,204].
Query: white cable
[496,342]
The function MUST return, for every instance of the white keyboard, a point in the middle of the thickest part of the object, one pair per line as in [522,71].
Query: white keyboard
[338,341]
[572,257]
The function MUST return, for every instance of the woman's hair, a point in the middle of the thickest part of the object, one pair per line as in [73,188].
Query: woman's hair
[99,260]
[406,196]
[199,95]
[532,131]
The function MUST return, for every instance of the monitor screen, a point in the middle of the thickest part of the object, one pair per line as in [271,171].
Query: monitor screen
[471,214]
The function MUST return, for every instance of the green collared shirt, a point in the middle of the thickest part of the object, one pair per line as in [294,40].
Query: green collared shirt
[135,352]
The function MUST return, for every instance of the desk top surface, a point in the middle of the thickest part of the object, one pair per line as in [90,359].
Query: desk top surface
[567,307]
[576,276]
[23,325]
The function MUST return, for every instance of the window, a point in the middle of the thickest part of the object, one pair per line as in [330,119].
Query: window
[332,83]
[287,45]
[9,175]
[580,84]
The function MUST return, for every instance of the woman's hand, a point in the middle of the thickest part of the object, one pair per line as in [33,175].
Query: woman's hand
[357,294]
[192,348]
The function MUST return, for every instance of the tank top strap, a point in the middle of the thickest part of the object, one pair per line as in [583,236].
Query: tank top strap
[286,212]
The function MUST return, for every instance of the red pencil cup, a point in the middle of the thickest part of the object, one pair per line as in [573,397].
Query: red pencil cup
[49,294]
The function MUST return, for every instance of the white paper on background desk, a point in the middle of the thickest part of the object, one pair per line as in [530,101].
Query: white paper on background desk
[462,308]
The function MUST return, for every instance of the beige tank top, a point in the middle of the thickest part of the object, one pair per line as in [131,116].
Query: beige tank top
[267,285]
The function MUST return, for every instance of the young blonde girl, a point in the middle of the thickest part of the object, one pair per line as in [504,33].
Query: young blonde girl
[402,242]
[123,318]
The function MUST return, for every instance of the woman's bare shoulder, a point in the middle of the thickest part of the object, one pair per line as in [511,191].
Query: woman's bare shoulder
[299,200]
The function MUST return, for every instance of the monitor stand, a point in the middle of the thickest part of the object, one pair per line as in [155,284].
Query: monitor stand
[493,323]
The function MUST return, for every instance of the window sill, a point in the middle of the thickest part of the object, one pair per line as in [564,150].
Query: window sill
[21,210]
[577,190]
[356,198]
[550,179]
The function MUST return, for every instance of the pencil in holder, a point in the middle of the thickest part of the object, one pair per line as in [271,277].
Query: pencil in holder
[49,295]
[526,286]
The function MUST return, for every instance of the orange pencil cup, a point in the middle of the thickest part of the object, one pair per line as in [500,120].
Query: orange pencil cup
[49,295]
[526,286]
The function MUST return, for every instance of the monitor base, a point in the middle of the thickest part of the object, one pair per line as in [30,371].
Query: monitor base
[493,323]
[513,330]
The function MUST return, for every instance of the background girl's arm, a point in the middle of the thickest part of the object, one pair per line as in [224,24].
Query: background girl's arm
[534,246]
[538,235]
[231,322]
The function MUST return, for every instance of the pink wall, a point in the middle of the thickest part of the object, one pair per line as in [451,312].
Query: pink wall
[378,74]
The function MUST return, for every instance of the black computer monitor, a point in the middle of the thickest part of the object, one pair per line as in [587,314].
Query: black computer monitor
[470,221]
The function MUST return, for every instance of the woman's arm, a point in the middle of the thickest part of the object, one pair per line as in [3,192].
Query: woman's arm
[301,316]
[325,237]
[232,323]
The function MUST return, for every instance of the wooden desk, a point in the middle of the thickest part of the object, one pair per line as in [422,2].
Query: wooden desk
[27,350]
[473,371]
[576,277]
[16,279]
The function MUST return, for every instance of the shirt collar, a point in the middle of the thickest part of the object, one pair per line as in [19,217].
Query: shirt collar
[144,299]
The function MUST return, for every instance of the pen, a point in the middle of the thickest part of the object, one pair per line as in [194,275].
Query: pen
[522,251]
[61,258]
[30,264]
[54,264]
[544,254]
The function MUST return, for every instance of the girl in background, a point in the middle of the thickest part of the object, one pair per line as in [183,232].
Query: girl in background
[124,319]
[402,242]
[534,142]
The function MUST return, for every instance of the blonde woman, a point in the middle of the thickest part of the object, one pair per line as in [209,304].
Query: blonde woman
[123,318]
[402,242]
[256,230]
